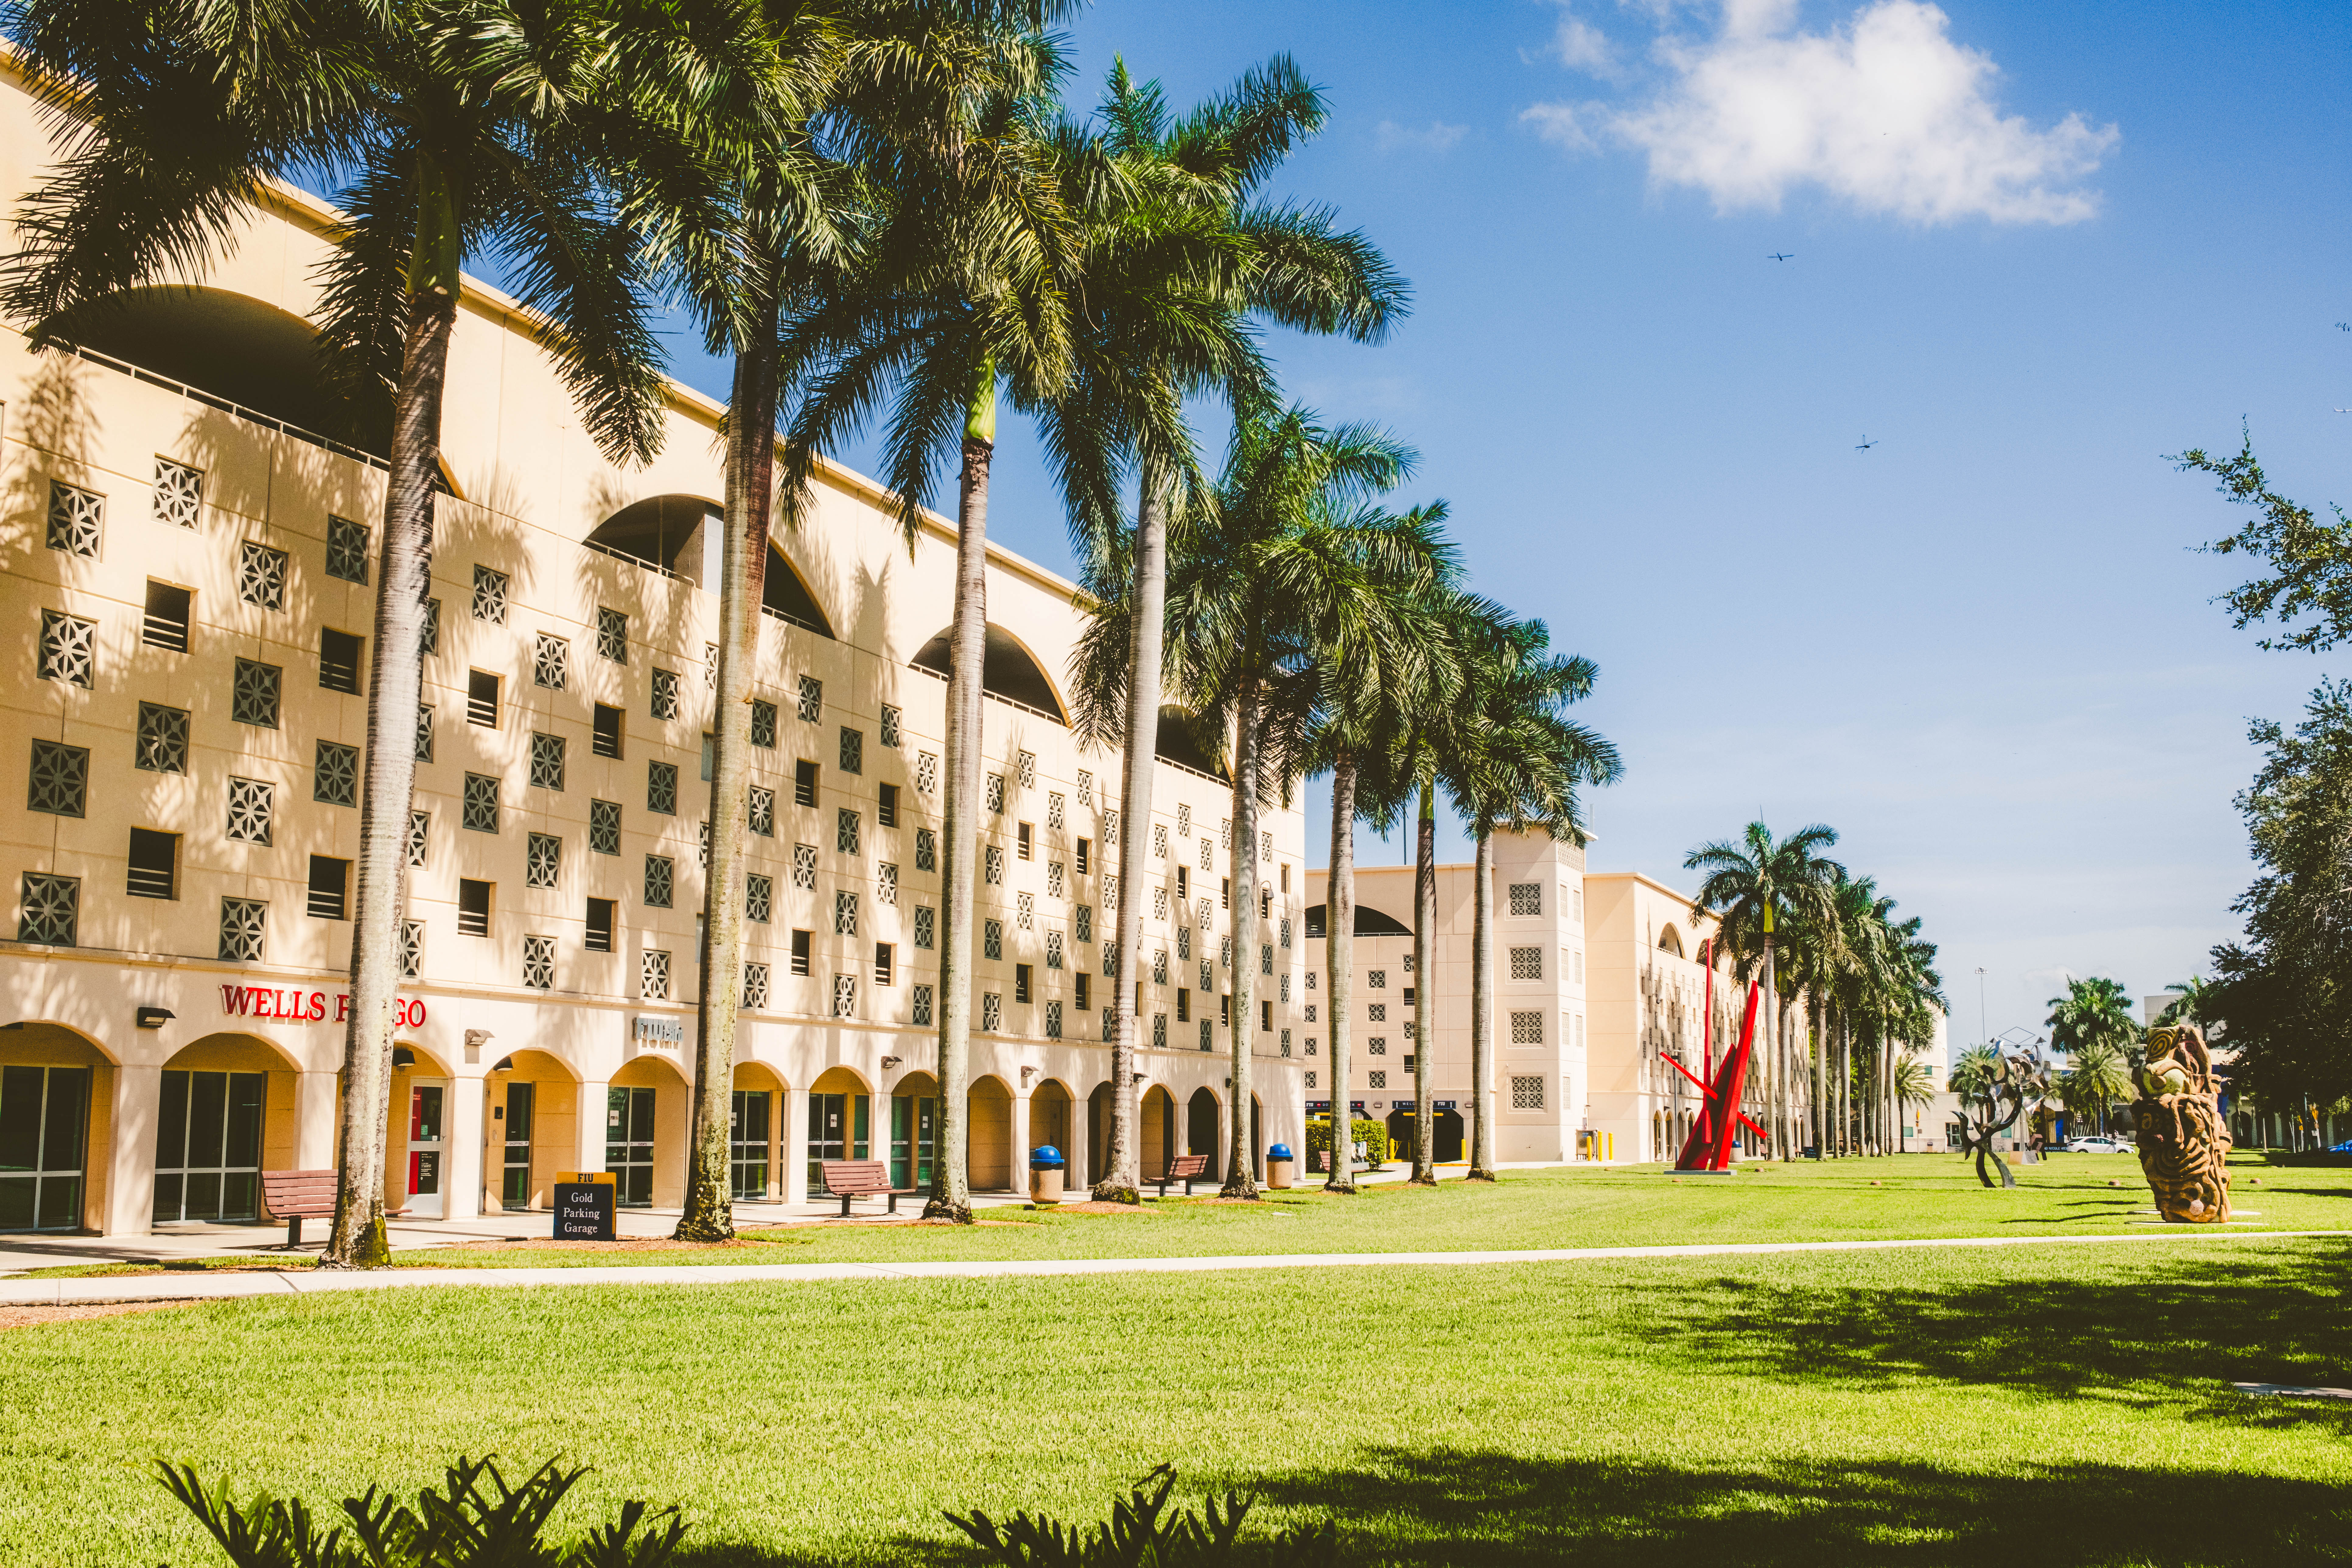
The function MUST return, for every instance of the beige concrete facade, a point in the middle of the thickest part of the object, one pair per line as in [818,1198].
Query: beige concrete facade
[1649,1003]
[169,583]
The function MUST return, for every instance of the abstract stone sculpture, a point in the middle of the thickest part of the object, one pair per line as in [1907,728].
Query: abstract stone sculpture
[1991,1106]
[2184,1144]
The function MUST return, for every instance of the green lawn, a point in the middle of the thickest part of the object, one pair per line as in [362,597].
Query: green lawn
[2023,1408]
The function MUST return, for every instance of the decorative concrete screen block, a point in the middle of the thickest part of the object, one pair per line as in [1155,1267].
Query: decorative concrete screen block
[661,788]
[1053,1020]
[993,864]
[885,884]
[425,731]
[51,912]
[759,897]
[992,939]
[428,638]
[1527,898]
[538,963]
[665,696]
[335,780]
[927,773]
[1205,861]
[1055,880]
[711,667]
[804,867]
[919,1012]
[812,699]
[661,880]
[653,977]
[763,724]
[243,924]
[995,791]
[482,803]
[755,985]
[1160,967]
[1226,953]
[1056,810]
[1183,941]
[612,634]
[1024,910]
[179,493]
[1265,848]
[1379,1045]
[1286,931]
[261,575]
[926,925]
[1160,903]
[1286,1042]
[76,520]
[604,827]
[1311,1077]
[889,726]
[546,762]
[1376,979]
[543,861]
[412,949]
[249,804]
[926,849]
[991,1012]
[1024,768]
[1208,1041]
[844,831]
[1208,976]
[59,783]
[1527,1093]
[853,751]
[1378,1078]
[1111,828]
[1110,960]
[420,825]
[1053,949]
[1110,893]
[1286,997]
[844,912]
[1224,833]
[1203,911]
[1265,958]
[347,550]
[1159,840]
[550,662]
[1526,963]
[1086,787]
[2184,1143]
[69,648]
[1527,1028]
[761,812]
[489,596]
[845,996]
[1110,1024]
[253,696]
[1082,922]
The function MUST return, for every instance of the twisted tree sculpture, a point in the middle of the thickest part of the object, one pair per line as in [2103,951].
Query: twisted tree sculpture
[1992,1105]
[2184,1144]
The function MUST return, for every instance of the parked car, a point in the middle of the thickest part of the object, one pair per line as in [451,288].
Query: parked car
[2095,1145]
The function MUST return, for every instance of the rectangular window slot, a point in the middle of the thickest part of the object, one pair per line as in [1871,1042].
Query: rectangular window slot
[804,783]
[330,881]
[1086,850]
[1085,990]
[482,698]
[600,925]
[1027,831]
[339,661]
[166,626]
[473,908]
[882,963]
[800,952]
[607,740]
[1020,972]
[887,812]
[154,864]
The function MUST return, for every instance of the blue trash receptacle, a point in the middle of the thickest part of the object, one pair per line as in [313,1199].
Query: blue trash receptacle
[1045,1172]
[1278,1165]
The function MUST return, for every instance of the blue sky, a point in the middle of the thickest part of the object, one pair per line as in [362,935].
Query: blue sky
[2082,236]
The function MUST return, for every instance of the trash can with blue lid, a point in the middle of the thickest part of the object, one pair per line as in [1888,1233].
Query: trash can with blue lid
[1278,1165]
[1044,1175]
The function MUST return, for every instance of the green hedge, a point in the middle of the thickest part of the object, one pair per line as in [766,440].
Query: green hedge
[1374,1135]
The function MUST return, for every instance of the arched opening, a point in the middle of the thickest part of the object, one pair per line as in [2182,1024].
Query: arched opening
[533,1128]
[1099,1120]
[914,1130]
[417,1135]
[227,1113]
[1050,1108]
[751,1127]
[647,1105]
[1671,940]
[1200,1129]
[232,348]
[988,1149]
[840,1123]
[1257,1137]
[1370,922]
[681,535]
[57,1099]
[1006,670]
[1178,740]
[1158,1130]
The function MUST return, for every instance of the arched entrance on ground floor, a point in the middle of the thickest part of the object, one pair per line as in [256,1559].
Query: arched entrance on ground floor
[914,1130]
[1257,1137]
[57,1101]
[531,1129]
[1201,1119]
[755,1173]
[226,1112]
[1098,1121]
[1157,1130]
[417,1135]
[1050,1108]
[988,1143]
[648,1105]
[840,1122]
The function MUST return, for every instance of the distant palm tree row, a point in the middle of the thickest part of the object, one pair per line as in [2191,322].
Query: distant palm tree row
[1827,950]
[876,209]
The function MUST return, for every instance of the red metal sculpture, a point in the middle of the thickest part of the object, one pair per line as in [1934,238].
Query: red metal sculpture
[1719,1118]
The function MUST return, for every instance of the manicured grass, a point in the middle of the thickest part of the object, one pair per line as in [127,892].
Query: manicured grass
[2023,1408]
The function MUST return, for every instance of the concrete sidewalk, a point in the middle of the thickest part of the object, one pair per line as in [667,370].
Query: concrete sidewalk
[193,1286]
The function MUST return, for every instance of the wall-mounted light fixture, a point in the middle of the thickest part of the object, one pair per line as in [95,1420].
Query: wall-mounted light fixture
[154,1017]
[474,1038]
[890,1062]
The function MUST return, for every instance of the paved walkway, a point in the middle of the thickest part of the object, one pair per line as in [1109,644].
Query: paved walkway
[209,1286]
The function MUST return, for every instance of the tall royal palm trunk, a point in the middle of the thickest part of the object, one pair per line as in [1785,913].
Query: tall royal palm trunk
[395,688]
[1818,1098]
[1340,963]
[1482,1011]
[1771,1011]
[1121,1176]
[1241,1176]
[709,1214]
[1424,976]
[959,817]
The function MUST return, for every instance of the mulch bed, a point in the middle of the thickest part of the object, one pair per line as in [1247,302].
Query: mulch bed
[34,1317]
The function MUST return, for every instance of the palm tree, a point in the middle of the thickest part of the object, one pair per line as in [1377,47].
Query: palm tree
[962,288]
[2097,1078]
[2094,1013]
[1910,1083]
[1753,887]
[448,132]
[2191,1006]
[1509,758]
[1284,578]
[1175,275]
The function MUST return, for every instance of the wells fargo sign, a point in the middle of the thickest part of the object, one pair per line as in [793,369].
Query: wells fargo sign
[295,1006]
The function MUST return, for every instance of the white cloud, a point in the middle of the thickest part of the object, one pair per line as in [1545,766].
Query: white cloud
[1887,111]
[1581,47]
[1435,137]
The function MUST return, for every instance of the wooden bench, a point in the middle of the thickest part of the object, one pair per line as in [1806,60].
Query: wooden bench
[1184,1168]
[297,1195]
[847,1179]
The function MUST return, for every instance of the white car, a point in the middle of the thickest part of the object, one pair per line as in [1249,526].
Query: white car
[2097,1146]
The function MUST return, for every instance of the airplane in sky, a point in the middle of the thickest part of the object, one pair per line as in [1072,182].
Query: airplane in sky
[1782,255]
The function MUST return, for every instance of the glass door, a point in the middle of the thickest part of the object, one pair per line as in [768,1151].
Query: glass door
[837,1130]
[208,1148]
[914,1138]
[426,1099]
[747,1138]
[44,1117]
[629,1145]
[514,1188]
